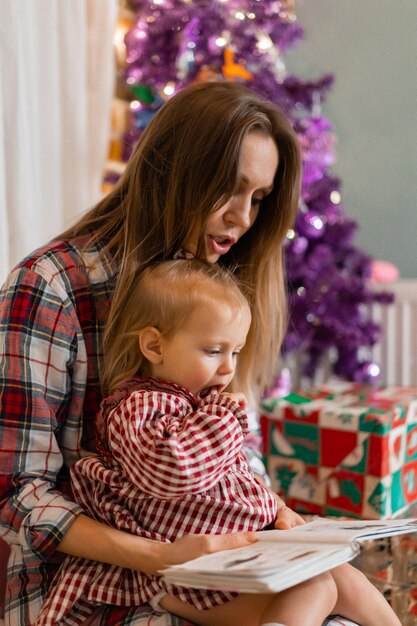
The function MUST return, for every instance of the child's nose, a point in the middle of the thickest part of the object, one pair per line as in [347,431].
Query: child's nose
[227,366]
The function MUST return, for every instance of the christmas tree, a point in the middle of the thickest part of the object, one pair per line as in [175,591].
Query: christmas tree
[173,43]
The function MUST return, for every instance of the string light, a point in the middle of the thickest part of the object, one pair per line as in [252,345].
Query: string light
[169,89]
[316,222]
[135,105]
[221,42]
[335,197]
[373,370]
[264,42]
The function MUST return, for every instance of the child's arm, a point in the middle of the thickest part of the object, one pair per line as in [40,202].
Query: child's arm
[167,449]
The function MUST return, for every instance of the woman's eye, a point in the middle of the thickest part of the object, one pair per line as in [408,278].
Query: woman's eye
[256,201]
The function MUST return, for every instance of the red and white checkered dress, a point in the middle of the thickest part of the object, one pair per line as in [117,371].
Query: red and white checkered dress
[167,466]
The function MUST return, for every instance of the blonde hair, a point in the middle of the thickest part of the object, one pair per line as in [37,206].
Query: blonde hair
[164,296]
[184,167]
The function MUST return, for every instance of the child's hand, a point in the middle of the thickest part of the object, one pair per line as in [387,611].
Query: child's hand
[287,518]
[239,398]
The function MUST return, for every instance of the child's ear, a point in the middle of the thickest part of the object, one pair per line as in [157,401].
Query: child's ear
[150,344]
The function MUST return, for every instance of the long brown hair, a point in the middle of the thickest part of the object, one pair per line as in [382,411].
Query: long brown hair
[163,296]
[185,167]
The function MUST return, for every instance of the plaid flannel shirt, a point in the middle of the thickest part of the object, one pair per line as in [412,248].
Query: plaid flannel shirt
[53,308]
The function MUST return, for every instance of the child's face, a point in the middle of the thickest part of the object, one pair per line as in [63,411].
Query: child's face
[202,355]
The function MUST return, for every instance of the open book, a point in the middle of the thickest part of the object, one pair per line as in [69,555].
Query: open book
[284,558]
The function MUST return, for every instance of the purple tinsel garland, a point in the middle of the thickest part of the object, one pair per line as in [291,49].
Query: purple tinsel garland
[171,42]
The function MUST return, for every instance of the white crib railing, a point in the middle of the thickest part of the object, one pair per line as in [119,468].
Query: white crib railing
[396,353]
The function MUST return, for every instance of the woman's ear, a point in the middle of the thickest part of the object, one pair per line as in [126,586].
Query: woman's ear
[150,344]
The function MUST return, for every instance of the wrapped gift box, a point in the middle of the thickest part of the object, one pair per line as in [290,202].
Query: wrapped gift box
[349,451]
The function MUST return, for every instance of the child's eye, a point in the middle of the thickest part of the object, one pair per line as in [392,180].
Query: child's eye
[212,351]
[236,353]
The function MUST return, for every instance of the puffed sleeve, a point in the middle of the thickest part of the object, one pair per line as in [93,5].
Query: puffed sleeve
[167,449]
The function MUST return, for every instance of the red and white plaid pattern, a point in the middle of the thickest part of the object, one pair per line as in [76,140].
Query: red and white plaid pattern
[167,467]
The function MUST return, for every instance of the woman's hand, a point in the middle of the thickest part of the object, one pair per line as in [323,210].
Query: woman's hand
[192,546]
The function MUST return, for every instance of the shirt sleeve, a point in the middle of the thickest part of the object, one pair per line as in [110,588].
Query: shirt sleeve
[38,344]
[168,450]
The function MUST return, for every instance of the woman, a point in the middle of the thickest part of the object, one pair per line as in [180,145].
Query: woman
[215,175]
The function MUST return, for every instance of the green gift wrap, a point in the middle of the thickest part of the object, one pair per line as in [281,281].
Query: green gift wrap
[344,450]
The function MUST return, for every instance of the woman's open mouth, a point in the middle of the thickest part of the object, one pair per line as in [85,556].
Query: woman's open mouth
[221,245]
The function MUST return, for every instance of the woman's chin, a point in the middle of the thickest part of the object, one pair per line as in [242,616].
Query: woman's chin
[212,257]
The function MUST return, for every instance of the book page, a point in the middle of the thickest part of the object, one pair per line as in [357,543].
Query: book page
[256,558]
[322,530]
[260,567]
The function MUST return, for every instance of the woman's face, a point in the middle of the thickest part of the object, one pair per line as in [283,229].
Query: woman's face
[258,163]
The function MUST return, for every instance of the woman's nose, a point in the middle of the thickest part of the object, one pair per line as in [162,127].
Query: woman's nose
[239,212]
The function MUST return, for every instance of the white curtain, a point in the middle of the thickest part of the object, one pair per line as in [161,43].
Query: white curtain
[56,85]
